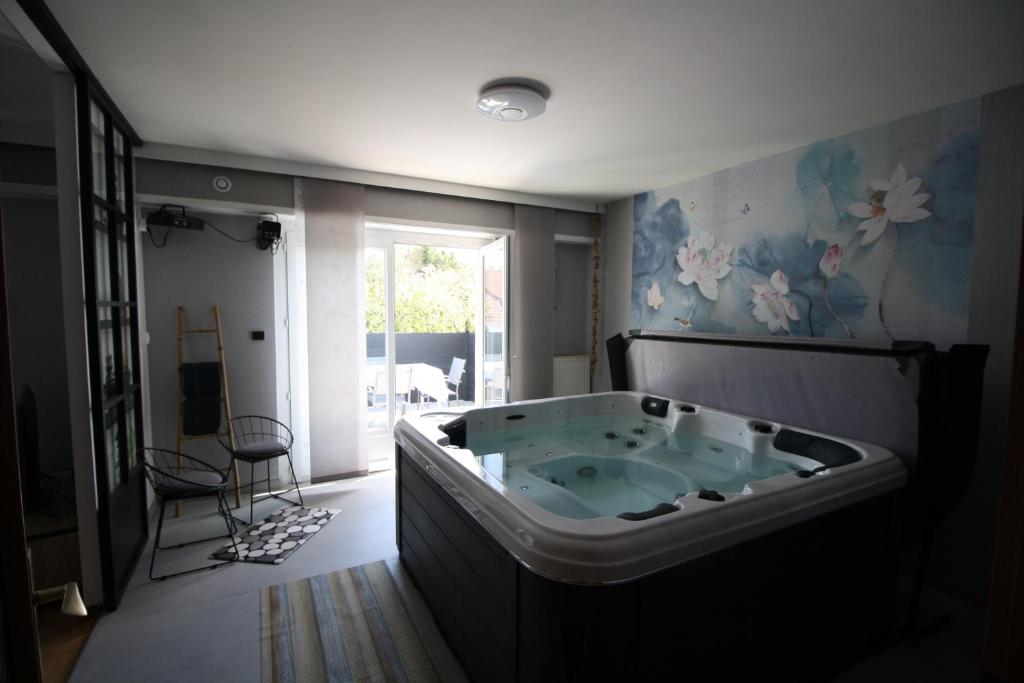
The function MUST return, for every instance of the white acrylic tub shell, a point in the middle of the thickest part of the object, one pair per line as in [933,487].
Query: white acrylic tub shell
[609,549]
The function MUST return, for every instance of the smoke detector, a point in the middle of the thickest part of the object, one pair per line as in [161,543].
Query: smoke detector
[511,103]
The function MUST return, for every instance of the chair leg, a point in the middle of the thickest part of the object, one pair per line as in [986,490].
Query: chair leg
[252,489]
[295,479]
[229,522]
[222,504]
[156,541]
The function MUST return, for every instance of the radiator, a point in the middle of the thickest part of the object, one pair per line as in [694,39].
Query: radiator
[572,375]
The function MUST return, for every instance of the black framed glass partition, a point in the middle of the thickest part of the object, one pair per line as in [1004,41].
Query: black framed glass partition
[111,299]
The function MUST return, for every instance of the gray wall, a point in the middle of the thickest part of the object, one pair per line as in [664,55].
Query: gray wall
[403,205]
[574,223]
[963,550]
[37,321]
[175,179]
[617,270]
[531,299]
[335,238]
[571,315]
[198,270]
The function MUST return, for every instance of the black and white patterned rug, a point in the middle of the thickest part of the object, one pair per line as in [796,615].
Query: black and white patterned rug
[274,539]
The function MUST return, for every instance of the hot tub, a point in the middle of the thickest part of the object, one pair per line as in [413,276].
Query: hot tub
[608,535]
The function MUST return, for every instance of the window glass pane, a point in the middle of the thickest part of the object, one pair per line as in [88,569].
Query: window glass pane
[123,292]
[130,406]
[436,298]
[494,322]
[119,170]
[112,445]
[376,368]
[99,154]
[129,375]
[108,371]
[102,255]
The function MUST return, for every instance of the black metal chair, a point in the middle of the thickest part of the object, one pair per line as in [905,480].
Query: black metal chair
[253,439]
[175,476]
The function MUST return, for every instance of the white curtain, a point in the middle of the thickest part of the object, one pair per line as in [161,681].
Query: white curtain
[334,216]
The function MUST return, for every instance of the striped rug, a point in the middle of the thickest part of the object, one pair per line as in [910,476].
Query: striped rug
[350,625]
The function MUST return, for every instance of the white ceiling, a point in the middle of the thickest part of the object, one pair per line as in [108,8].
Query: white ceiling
[643,94]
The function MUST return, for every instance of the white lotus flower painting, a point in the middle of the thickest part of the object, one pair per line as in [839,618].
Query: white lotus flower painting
[704,263]
[867,236]
[892,200]
[771,306]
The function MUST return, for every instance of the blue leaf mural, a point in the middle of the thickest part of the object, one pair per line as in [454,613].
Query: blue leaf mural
[866,236]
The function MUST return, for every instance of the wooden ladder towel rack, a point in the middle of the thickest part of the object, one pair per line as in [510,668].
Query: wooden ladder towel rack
[225,394]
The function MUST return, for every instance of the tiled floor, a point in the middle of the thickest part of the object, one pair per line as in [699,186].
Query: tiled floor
[205,626]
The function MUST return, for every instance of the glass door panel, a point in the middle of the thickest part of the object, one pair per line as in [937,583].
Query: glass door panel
[101,248]
[435,322]
[378,395]
[131,420]
[128,376]
[494,373]
[123,271]
[109,375]
[112,443]
[119,172]
[98,127]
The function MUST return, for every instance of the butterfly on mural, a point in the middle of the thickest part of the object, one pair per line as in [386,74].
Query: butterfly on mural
[745,210]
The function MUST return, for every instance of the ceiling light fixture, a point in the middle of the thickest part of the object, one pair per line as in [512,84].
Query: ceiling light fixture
[511,103]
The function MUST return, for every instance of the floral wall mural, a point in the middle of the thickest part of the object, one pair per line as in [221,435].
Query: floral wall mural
[866,236]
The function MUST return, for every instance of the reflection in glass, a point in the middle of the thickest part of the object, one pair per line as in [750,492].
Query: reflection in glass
[122,261]
[112,442]
[102,255]
[128,377]
[119,177]
[105,325]
[97,120]
[129,421]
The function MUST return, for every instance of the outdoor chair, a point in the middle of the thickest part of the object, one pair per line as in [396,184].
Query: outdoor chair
[454,379]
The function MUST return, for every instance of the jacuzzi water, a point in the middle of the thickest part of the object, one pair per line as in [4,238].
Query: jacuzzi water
[601,466]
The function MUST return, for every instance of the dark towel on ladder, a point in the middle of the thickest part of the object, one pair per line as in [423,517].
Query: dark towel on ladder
[200,389]
[200,380]
[200,416]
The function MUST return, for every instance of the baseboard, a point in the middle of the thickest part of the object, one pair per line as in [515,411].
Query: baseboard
[338,477]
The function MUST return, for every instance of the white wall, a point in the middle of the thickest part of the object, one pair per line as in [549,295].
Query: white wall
[197,270]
